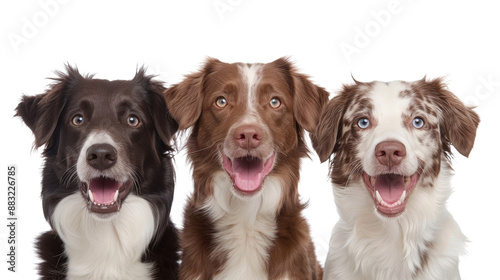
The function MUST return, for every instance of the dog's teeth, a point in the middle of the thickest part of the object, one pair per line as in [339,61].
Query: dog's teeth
[403,197]
[373,179]
[91,196]
[385,204]
[116,196]
[379,198]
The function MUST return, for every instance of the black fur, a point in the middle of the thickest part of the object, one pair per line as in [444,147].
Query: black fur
[49,115]
[50,249]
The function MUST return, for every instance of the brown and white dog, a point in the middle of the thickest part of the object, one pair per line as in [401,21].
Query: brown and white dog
[244,220]
[391,175]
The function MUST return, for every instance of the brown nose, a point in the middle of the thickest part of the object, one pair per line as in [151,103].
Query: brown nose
[390,153]
[101,156]
[248,136]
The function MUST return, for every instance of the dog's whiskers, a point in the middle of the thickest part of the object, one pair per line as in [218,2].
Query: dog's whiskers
[214,154]
[135,179]
[355,163]
[208,147]
[69,176]
[278,151]
[420,170]
[356,169]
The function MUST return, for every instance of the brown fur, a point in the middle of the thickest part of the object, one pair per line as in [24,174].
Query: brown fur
[457,125]
[446,121]
[191,103]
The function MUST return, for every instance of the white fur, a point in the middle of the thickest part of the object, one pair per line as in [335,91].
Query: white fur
[105,246]
[387,111]
[245,227]
[119,171]
[108,248]
[367,245]
[252,74]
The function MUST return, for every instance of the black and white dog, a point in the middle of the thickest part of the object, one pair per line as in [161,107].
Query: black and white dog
[108,180]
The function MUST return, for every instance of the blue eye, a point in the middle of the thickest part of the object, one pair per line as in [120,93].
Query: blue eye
[364,123]
[418,122]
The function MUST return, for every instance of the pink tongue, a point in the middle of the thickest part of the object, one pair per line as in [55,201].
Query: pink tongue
[249,172]
[390,187]
[103,189]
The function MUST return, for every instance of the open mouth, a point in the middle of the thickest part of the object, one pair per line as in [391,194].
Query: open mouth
[390,192]
[104,195]
[248,173]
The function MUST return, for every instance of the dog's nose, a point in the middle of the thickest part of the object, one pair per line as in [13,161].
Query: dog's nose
[101,156]
[248,136]
[390,153]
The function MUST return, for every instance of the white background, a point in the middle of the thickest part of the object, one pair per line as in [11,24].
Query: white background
[389,40]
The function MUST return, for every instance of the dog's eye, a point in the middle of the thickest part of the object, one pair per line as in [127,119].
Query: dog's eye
[418,122]
[364,123]
[275,102]
[221,102]
[133,121]
[77,120]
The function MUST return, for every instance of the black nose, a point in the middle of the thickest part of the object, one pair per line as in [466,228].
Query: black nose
[101,156]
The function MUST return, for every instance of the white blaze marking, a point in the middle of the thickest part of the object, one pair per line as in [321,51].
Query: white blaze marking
[251,74]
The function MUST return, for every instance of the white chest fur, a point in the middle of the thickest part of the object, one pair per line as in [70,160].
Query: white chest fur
[425,242]
[105,248]
[245,227]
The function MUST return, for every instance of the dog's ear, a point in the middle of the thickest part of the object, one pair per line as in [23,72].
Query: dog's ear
[185,100]
[459,123]
[41,112]
[309,98]
[165,125]
[329,128]
[27,109]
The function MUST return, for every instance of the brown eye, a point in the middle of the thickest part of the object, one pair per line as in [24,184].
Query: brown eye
[221,102]
[77,120]
[133,121]
[275,102]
